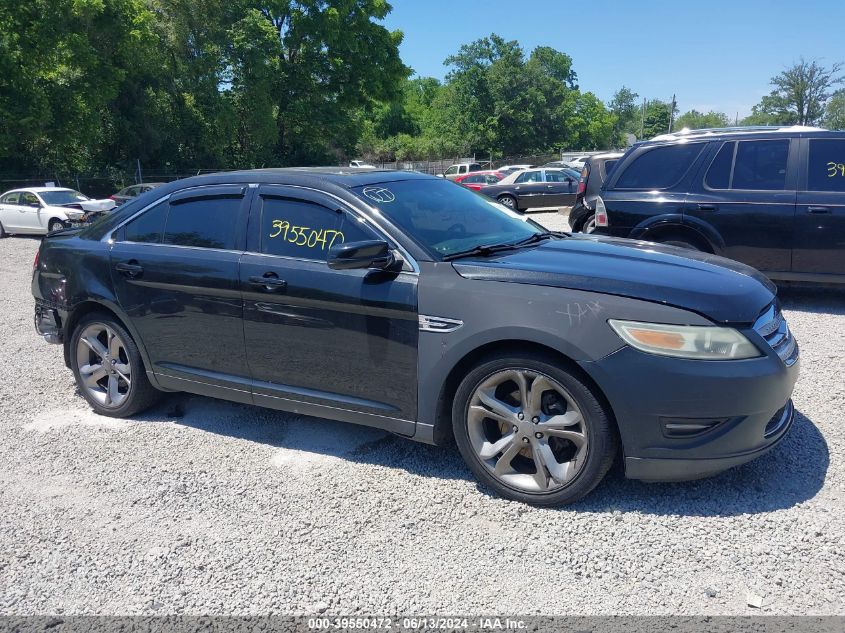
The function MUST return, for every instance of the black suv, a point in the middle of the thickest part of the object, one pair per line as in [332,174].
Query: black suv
[409,303]
[582,216]
[773,198]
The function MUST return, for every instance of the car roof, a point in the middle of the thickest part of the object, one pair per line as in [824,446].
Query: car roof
[40,189]
[334,177]
[743,131]
[607,156]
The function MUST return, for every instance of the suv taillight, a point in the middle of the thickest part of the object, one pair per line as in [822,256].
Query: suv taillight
[601,213]
[35,263]
[582,181]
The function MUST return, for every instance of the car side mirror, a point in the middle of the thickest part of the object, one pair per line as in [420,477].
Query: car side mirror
[365,254]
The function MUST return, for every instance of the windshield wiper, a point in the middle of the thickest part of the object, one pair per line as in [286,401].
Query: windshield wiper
[488,249]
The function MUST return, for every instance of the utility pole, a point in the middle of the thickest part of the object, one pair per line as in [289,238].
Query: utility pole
[671,114]
[642,121]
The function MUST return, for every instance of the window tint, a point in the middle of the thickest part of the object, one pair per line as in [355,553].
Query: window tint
[660,167]
[473,179]
[608,166]
[826,169]
[147,227]
[530,176]
[719,174]
[451,170]
[296,228]
[11,198]
[204,222]
[491,179]
[761,165]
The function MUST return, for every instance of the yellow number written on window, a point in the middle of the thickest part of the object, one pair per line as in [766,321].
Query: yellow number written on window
[835,169]
[305,235]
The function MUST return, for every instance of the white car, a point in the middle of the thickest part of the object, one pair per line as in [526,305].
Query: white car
[359,164]
[39,210]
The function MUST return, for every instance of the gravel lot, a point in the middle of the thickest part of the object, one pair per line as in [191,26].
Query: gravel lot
[201,506]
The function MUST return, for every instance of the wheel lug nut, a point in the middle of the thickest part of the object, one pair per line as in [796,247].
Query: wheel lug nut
[520,415]
[538,435]
[525,440]
[535,419]
[515,429]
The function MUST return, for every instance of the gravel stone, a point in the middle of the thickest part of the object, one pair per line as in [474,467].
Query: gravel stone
[206,507]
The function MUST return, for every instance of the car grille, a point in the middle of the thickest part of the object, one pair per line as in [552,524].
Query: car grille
[773,328]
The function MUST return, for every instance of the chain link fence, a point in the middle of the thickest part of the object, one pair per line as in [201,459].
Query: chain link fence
[104,184]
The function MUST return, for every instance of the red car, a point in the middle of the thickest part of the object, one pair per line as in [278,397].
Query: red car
[477,179]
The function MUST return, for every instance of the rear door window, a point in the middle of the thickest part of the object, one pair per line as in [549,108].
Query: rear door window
[530,176]
[203,222]
[659,168]
[761,165]
[826,165]
[11,198]
[148,227]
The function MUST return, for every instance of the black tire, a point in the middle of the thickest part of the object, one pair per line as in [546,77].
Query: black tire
[598,426]
[681,243]
[140,395]
[509,201]
[589,224]
[54,225]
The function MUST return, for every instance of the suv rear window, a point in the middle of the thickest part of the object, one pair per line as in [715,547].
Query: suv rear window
[659,168]
[826,165]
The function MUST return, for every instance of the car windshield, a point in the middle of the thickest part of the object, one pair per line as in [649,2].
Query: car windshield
[445,218]
[62,196]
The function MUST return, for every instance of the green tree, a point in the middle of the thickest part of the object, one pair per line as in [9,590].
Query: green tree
[799,95]
[624,107]
[657,114]
[695,120]
[834,117]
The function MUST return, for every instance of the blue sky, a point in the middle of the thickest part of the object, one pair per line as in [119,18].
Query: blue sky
[714,55]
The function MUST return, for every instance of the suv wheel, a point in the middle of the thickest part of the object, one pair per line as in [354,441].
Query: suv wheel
[532,431]
[108,368]
[589,224]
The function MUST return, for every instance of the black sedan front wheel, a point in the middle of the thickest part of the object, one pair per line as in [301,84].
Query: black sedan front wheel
[532,431]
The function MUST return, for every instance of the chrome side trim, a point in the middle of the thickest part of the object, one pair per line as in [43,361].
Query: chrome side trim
[438,324]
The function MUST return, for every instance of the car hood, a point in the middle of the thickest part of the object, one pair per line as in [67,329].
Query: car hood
[88,205]
[723,290]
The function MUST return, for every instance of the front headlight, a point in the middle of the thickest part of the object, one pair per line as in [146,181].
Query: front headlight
[74,215]
[686,341]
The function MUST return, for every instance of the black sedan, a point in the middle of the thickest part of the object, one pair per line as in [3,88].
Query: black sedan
[535,188]
[404,302]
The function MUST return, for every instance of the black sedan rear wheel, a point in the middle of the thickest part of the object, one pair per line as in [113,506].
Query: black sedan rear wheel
[509,201]
[108,368]
[532,431]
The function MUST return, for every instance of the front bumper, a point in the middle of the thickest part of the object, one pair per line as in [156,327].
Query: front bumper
[683,419]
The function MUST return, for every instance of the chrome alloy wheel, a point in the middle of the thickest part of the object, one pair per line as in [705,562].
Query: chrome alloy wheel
[104,365]
[527,430]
